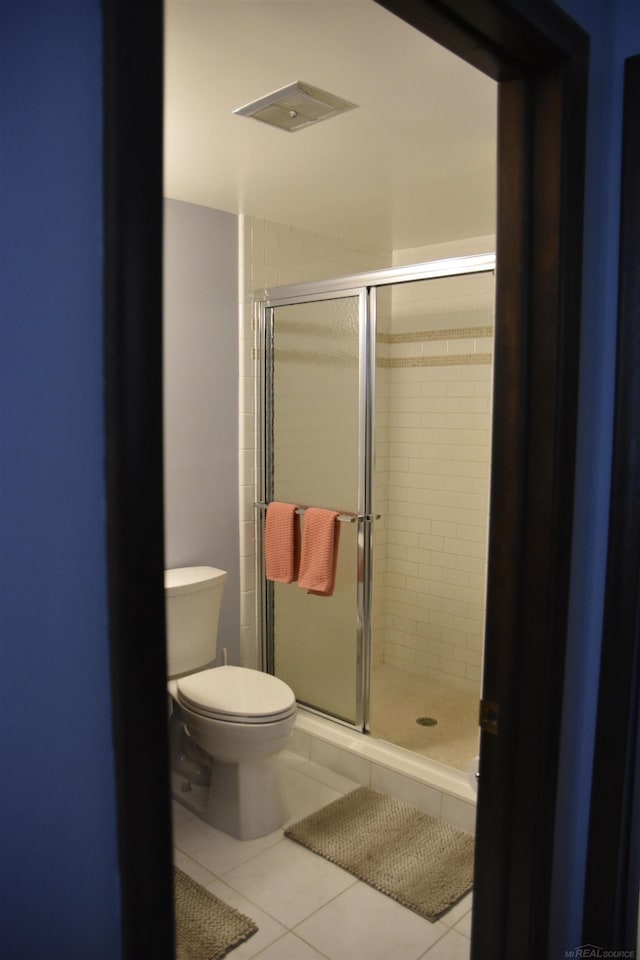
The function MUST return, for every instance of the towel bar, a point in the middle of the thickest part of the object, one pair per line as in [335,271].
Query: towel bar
[342,517]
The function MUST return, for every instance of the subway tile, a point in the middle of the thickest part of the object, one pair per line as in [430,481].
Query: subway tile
[476,611]
[249,653]
[427,542]
[456,669]
[465,548]
[454,637]
[461,388]
[403,567]
[469,595]
[429,660]
[441,619]
[471,532]
[443,559]
[403,653]
[474,404]
[341,761]
[248,607]
[478,581]
[459,813]
[473,673]
[471,564]
[247,539]
[410,791]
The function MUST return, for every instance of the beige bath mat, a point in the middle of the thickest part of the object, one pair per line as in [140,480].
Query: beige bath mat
[423,863]
[206,928]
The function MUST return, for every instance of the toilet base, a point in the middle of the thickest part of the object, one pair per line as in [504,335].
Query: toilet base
[244,799]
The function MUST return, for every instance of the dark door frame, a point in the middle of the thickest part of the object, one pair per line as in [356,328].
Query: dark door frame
[613,855]
[133,104]
[539,56]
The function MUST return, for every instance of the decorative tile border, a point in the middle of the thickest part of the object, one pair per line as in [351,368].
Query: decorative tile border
[421,336]
[445,360]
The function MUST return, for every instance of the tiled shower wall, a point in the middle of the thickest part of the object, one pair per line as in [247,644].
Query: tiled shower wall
[433,416]
[434,376]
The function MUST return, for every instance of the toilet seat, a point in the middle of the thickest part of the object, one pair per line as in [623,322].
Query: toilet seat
[236,695]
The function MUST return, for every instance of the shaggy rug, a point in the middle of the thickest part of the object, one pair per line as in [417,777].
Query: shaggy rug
[423,863]
[206,928]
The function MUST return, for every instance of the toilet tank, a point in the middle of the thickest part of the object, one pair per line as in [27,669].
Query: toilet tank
[192,596]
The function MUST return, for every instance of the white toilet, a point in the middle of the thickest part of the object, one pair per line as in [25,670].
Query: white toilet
[238,717]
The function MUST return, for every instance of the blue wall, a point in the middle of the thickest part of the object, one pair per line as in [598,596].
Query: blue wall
[60,894]
[615,34]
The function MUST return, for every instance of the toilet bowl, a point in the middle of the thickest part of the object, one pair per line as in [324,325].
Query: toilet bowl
[227,722]
[239,718]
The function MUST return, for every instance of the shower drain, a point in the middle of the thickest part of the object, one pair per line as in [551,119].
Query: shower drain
[427,721]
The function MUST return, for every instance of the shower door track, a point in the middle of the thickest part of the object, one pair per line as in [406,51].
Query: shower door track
[364,286]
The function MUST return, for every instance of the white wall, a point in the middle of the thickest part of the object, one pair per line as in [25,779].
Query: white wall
[201,399]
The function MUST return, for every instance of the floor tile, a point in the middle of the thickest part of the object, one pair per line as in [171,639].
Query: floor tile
[453,946]
[461,909]
[289,947]
[288,881]
[362,923]
[281,886]
[215,850]
[193,869]
[268,928]
[304,795]
[464,926]
[179,813]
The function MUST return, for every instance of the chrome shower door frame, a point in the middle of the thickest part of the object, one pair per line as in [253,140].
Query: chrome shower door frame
[364,286]
[362,517]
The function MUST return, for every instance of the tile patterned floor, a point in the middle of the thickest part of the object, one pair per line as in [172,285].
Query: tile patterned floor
[305,907]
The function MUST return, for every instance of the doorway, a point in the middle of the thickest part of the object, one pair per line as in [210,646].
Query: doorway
[540,59]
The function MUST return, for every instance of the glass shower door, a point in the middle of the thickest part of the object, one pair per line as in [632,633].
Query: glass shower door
[314,409]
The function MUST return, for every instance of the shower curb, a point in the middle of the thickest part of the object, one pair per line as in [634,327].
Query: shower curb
[434,788]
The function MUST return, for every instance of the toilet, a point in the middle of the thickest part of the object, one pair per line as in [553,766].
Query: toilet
[227,722]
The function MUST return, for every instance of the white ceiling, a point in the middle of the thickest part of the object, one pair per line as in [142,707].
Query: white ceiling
[414,164]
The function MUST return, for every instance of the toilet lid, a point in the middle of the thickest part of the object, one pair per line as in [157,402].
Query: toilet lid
[236,694]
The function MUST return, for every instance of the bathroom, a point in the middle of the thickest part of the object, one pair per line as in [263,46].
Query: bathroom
[215,261]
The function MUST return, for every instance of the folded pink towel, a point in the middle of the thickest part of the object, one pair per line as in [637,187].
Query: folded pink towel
[282,542]
[319,555]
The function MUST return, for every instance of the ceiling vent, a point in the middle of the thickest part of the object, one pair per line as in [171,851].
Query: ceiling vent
[296,106]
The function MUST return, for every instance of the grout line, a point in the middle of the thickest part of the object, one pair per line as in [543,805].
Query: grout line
[290,930]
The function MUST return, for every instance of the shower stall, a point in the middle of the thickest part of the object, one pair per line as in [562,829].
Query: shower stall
[375,401]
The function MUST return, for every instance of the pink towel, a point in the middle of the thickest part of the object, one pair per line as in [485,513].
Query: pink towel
[319,556]
[282,542]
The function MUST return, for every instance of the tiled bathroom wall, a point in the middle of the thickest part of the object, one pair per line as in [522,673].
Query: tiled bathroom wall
[433,463]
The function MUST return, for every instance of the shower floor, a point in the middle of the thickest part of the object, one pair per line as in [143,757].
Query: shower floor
[399,697]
